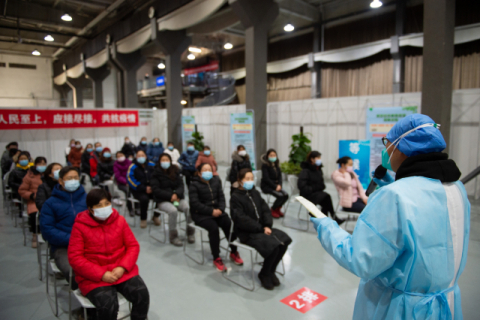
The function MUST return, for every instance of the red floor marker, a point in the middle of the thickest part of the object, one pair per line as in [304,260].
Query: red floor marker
[303,300]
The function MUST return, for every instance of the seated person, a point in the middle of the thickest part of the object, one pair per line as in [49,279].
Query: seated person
[240,160]
[129,149]
[208,211]
[142,145]
[154,150]
[312,185]
[59,213]
[174,154]
[120,170]
[139,176]
[100,270]
[85,165]
[272,182]
[75,155]
[206,157]
[15,179]
[187,160]
[105,166]
[6,162]
[28,191]
[94,160]
[168,193]
[352,195]
[253,224]
[50,178]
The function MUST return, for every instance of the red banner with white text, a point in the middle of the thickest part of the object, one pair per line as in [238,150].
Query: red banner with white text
[15,119]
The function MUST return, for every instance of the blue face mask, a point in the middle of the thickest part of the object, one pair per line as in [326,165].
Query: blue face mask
[56,174]
[156,143]
[144,142]
[207,175]
[41,169]
[165,165]
[141,160]
[98,149]
[89,149]
[107,154]
[386,160]
[170,148]
[272,159]
[190,148]
[206,152]
[248,185]
[23,163]
[318,163]
[72,185]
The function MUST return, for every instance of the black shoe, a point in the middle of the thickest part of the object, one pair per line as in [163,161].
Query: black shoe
[266,281]
[275,280]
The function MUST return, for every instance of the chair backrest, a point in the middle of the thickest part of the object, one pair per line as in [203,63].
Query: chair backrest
[5,179]
[293,183]
[228,172]
[258,178]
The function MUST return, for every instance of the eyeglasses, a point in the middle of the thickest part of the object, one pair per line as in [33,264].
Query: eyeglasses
[384,141]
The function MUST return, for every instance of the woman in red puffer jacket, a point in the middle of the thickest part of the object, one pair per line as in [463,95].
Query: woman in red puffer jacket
[103,254]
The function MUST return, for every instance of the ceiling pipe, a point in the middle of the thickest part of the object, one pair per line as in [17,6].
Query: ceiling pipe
[89,26]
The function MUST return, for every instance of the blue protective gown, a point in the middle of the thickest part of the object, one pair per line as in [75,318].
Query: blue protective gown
[402,249]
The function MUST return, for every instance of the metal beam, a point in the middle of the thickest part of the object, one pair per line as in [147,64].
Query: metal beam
[44,31]
[31,41]
[300,9]
[39,23]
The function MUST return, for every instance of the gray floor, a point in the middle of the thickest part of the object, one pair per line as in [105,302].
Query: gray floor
[181,289]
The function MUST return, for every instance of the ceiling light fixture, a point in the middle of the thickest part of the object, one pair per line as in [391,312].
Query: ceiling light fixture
[376,4]
[193,49]
[36,52]
[183,102]
[191,56]
[154,108]
[228,46]
[289,27]
[161,65]
[66,17]
[48,38]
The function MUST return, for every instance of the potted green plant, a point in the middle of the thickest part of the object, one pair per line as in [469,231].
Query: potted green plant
[197,141]
[299,149]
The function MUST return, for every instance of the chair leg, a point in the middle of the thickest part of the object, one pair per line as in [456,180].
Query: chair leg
[201,245]
[296,228]
[164,231]
[56,294]
[252,274]
[24,232]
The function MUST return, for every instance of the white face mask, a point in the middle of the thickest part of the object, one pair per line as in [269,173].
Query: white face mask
[102,213]
[242,153]
[121,159]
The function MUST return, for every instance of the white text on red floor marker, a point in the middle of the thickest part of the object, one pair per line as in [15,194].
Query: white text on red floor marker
[303,300]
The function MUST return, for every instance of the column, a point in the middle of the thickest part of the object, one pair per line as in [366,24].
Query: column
[256,16]
[396,51]
[97,76]
[438,31]
[315,67]
[77,85]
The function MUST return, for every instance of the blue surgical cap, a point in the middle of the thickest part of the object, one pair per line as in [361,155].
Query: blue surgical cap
[420,141]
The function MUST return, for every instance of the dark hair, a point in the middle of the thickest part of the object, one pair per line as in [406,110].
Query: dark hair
[78,141]
[105,159]
[140,150]
[89,144]
[199,168]
[14,143]
[343,160]
[40,159]
[277,162]
[116,154]
[313,154]
[97,143]
[24,153]
[206,147]
[190,143]
[242,173]
[169,142]
[172,170]
[241,146]
[49,169]
[66,170]
[96,195]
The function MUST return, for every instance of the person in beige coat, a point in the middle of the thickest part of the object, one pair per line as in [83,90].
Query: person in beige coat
[352,195]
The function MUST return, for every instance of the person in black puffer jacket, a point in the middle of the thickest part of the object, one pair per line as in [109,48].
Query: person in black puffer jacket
[312,185]
[45,189]
[240,160]
[207,203]
[272,182]
[105,166]
[16,176]
[168,192]
[253,224]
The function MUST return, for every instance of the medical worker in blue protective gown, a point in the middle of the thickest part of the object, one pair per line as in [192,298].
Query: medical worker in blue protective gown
[410,243]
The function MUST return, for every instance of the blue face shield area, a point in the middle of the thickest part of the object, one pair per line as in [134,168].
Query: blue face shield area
[416,134]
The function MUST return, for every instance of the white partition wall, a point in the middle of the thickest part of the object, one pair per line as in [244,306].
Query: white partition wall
[332,119]
[214,124]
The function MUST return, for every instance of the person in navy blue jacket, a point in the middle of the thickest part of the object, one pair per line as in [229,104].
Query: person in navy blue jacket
[188,160]
[154,150]
[58,215]
[138,177]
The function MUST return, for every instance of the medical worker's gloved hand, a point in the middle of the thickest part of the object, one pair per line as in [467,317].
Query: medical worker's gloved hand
[386,180]
[316,222]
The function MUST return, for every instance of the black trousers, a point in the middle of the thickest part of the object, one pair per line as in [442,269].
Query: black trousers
[124,188]
[357,206]
[106,302]
[280,198]
[271,262]
[32,218]
[188,176]
[212,225]
[143,198]
[324,200]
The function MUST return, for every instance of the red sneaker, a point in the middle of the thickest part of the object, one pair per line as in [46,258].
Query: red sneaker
[218,263]
[275,214]
[235,257]
[280,213]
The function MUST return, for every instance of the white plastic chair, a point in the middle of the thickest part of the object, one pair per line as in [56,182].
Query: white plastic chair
[40,242]
[293,183]
[201,230]
[227,178]
[50,265]
[134,208]
[164,214]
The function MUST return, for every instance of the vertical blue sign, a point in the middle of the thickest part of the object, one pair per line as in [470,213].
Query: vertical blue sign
[359,151]
[242,132]
[188,128]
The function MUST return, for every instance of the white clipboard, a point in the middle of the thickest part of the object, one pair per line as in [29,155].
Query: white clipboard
[311,207]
